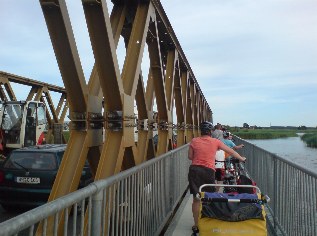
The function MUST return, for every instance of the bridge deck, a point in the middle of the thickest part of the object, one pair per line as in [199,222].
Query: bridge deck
[183,220]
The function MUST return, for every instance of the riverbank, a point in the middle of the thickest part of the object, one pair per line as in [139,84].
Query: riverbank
[310,138]
[292,149]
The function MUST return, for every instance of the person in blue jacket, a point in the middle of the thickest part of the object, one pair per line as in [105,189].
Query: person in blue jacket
[227,139]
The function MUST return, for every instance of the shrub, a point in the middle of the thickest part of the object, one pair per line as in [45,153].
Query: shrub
[310,139]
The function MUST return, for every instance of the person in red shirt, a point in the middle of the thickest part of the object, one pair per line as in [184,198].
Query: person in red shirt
[202,153]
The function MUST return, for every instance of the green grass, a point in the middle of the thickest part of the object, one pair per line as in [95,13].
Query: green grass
[265,134]
[310,139]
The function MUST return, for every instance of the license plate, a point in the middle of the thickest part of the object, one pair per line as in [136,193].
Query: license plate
[28,180]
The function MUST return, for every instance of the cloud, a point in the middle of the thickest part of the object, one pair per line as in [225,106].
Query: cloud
[251,57]
[254,60]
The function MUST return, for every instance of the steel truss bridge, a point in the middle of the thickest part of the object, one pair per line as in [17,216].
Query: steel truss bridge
[103,124]
[39,91]
[102,110]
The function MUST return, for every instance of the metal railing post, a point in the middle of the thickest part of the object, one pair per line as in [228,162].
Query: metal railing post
[96,213]
[275,192]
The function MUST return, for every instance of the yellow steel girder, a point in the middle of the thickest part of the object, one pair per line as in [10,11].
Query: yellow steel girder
[169,77]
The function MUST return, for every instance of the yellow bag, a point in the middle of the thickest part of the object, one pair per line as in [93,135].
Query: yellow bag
[251,227]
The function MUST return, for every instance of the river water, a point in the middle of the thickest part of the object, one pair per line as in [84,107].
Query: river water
[293,149]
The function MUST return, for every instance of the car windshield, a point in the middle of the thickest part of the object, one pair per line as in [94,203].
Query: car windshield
[31,161]
[12,117]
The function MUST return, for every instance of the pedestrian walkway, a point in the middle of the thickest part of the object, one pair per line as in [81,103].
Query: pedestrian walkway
[183,220]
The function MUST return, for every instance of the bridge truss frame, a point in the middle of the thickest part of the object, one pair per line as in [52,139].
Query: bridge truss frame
[39,91]
[170,76]
[102,112]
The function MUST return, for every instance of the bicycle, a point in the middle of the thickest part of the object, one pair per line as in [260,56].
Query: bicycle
[233,170]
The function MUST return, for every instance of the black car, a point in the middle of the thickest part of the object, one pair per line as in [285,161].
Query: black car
[28,174]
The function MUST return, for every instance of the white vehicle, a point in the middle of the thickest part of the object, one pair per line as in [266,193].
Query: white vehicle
[22,124]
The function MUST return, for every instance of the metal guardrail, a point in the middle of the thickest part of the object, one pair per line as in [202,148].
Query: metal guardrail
[138,201]
[292,190]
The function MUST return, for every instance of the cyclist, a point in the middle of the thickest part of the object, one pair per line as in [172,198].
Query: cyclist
[228,141]
[218,132]
[202,153]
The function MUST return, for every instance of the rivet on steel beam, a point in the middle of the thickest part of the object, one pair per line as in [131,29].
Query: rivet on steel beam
[114,120]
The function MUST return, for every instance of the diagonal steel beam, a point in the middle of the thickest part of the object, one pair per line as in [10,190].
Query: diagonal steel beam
[194,108]
[157,71]
[61,104]
[51,106]
[189,112]
[63,41]
[172,58]
[159,86]
[143,115]
[149,100]
[31,93]
[180,112]
[5,81]
[117,20]
[3,96]
[39,93]
[100,31]
[132,64]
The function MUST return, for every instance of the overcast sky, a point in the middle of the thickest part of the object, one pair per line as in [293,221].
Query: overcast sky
[256,61]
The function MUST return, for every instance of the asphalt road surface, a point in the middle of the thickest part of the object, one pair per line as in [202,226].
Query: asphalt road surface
[4,215]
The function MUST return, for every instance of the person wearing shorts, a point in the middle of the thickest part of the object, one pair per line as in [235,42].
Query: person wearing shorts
[202,153]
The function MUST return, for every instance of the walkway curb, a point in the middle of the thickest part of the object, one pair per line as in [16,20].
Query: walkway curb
[183,221]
